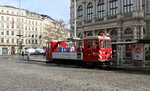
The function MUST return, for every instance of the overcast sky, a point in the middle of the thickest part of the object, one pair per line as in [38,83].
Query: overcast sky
[57,9]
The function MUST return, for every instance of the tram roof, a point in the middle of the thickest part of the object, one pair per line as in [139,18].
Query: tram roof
[97,37]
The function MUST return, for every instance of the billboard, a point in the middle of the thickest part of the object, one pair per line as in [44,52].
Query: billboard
[138,52]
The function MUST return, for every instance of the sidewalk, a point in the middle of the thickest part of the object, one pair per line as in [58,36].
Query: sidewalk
[37,58]
[41,58]
[133,68]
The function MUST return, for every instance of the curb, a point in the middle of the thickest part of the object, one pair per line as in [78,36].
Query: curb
[127,68]
[138,69]
[34,60]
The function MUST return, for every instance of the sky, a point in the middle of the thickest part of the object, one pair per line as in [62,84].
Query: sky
[57,9]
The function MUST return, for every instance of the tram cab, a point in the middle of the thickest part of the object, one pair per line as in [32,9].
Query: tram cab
[97,49]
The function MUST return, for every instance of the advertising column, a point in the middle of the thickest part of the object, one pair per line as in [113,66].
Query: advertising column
[138,54]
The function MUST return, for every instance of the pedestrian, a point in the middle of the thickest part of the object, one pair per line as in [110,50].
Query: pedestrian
[28,56]
[23,54]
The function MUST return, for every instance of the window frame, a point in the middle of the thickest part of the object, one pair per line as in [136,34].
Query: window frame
[100,8]
[89,11]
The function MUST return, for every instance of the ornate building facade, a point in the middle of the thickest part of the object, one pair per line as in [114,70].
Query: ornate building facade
[125,20]
[32,27]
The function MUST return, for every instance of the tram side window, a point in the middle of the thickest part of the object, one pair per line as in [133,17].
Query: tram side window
[89,45]
[102,44]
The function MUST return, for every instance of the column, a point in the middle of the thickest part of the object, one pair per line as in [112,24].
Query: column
[94,10]
[105,31]
[141,32]
[119,34]
[140,5]
[83,35]
[106,9]
[84,11]
[138,32]
[93,33]
[119,6]
[135,5]
[135,33]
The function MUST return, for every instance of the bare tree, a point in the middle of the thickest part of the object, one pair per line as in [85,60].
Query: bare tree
[58,30]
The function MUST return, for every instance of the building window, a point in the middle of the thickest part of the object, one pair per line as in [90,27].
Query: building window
[32,41]
[29,41]
[12,32]
[128,31]
[143,5]
[128,6]
[2,40]
[101,9]
[12,40]
[2,18]
[89,11]
[7,18]
[7,25]
[7,32]
[7,41]
[80,13]
[17,41]
[35,41]
[128,49]
[2,25]
[113,7]
[2,33]
[113,32]
[100,33]
[89,34]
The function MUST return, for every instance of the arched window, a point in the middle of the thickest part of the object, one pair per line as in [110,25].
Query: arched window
[80,35]
[143,5]
[101,9]
[89,11]
[80,13]
[89,34]
[113,32]
[128,31]
[113,7]
[127,6]
[100,32]
[144,31]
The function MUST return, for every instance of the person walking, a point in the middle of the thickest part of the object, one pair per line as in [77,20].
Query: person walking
[28,56]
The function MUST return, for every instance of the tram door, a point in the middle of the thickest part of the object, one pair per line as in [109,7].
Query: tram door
[48,51]
[91,50]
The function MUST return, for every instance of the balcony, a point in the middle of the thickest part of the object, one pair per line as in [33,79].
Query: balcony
[87,21]
[99,19]
[112,17]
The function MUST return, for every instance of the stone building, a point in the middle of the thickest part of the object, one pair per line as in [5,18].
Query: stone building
[125,20]
[32,27]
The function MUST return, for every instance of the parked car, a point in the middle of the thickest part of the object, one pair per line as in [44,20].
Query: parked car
[30,50]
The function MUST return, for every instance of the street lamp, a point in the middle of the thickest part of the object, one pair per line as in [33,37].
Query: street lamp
[19,34]
[75,17]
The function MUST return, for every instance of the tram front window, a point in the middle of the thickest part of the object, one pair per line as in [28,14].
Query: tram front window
[108,44]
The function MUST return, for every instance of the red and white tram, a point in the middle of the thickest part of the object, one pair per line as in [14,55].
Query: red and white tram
[96,50]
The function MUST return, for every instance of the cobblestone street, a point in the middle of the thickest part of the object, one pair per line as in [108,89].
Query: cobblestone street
[19,75]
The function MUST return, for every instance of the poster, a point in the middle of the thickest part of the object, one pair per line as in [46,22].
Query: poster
[137,51]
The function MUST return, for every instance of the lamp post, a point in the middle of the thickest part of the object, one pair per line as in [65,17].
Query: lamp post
[19,33]
[75,17]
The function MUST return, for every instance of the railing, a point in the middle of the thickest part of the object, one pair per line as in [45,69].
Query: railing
[112,17]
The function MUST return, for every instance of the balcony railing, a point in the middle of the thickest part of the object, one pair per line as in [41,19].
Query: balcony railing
[99,19]
[112,17]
